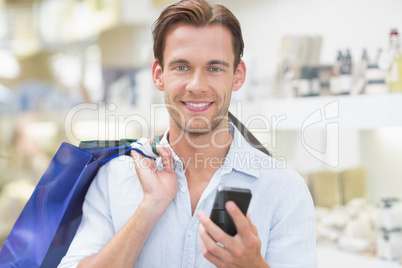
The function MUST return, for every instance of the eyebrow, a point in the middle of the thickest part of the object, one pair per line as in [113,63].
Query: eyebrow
[181,61]
[219,62]
[211,62]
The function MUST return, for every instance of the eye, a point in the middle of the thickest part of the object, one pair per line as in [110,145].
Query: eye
[215,69]
[181,68]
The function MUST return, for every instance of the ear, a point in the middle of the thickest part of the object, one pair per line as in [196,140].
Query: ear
[157,76]
[239,76]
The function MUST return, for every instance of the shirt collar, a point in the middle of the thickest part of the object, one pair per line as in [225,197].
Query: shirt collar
[239,157]
[164,142]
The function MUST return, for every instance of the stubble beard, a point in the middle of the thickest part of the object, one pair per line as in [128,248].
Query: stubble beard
[199,125]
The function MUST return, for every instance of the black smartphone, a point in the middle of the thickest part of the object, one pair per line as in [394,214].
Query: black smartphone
[220,216]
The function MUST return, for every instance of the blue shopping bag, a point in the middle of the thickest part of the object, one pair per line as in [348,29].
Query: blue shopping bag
[47,224]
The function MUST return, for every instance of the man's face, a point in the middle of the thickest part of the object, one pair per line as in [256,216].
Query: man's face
[198,76]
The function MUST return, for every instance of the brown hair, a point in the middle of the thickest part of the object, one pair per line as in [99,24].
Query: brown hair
[196,13]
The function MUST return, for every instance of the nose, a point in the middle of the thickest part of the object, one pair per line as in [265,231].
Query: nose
[197,82]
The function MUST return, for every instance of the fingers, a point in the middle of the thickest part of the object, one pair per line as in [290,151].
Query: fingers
[247,232]
[213,230]
[252,226]
[213,259]
[241,222]
[166,156]
[211,235]
[210,249]
[142,162]
[242,250]
[143,165]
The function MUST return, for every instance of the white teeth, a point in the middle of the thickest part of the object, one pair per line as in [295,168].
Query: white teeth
[197,105]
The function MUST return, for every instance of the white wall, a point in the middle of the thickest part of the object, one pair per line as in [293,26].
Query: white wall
[381,156]
[354,24]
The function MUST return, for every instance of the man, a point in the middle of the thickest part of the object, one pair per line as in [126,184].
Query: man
[157,214]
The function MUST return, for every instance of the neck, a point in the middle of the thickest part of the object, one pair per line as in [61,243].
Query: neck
[201,152]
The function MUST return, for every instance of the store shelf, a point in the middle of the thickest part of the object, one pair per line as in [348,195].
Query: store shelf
[363,112]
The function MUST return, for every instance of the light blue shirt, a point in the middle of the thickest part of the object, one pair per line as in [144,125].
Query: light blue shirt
[281,208]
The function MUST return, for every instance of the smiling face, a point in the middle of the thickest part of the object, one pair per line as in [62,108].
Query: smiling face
[198,77]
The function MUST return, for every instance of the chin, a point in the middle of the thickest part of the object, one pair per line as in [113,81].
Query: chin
[197,130]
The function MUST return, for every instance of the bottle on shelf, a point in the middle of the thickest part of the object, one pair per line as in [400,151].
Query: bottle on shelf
[345,73]
[360,74]
[334,83]
[391,61]
[375,77]
[338,63]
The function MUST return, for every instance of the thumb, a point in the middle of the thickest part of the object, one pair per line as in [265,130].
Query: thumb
[143,165]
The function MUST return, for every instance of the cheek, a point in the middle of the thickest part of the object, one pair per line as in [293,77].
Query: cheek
[224,86]
[224,81]
[175,83]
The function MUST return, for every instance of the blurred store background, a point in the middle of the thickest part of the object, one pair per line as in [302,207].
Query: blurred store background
[323,93]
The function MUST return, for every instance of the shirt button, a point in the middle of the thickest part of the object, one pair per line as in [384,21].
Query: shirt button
[189,233]
[183,189]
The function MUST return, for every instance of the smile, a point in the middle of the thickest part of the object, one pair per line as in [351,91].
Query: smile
[198,105]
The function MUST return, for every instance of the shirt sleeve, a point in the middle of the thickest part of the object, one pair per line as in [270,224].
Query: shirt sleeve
[96,227]
[292,240]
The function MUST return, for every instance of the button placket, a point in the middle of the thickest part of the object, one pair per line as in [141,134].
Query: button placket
[190,241]
[189,233]
[183,196]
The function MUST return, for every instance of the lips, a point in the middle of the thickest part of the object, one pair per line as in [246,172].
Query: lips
[197,106]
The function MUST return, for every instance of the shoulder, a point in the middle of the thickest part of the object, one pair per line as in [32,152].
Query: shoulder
[276,177]
[273,167]
[114,172]
[121,165]
[272,171]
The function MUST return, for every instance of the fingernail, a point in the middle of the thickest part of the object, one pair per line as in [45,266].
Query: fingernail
[199,215]
[163,152]
[230,206]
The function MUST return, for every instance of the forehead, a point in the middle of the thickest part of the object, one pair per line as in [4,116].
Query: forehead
[211,42]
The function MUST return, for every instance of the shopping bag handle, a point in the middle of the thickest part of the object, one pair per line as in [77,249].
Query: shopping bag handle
[250,138]
[95,145]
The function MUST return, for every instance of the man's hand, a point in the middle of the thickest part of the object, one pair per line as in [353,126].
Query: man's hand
[242,250]
[159,186]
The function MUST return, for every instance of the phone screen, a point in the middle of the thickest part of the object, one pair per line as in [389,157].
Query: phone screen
[220,216]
